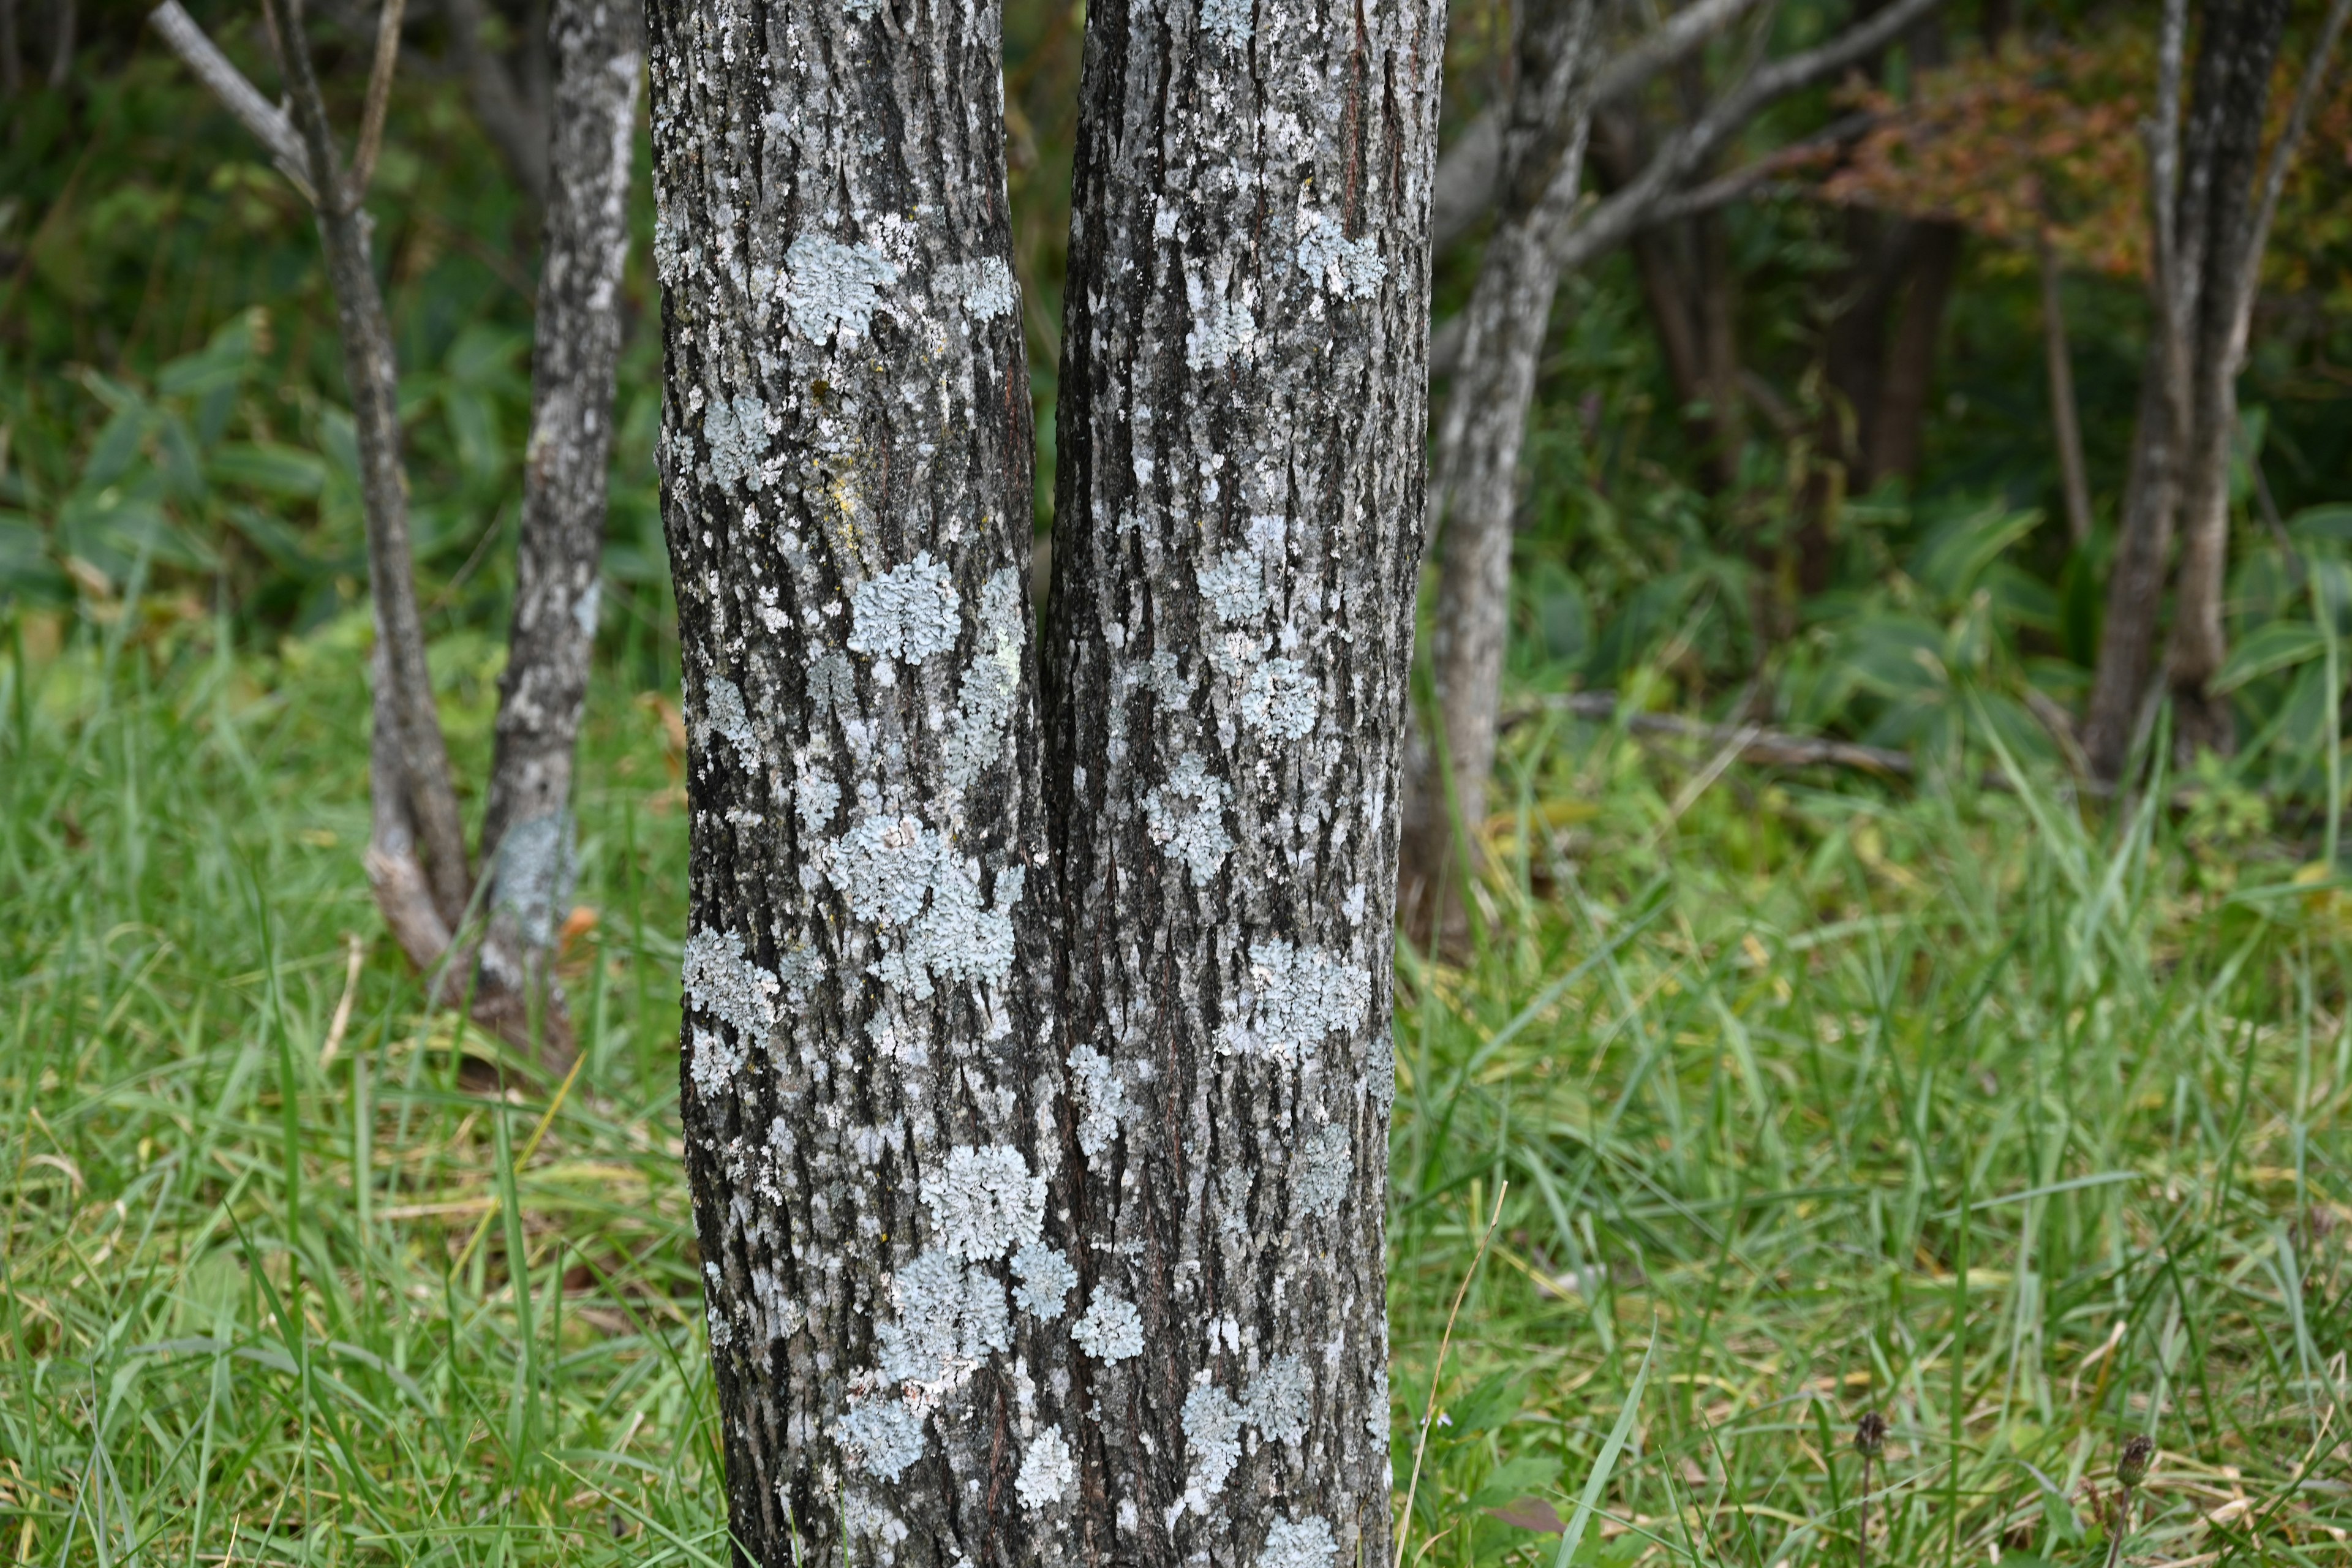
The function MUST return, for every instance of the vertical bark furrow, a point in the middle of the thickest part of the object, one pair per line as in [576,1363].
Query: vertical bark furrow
[1238,520]
[845,459]
[527,832]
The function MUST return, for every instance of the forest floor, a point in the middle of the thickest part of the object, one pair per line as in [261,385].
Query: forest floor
[1802,1097]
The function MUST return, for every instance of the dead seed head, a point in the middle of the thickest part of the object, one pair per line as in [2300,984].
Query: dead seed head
[1870,1435]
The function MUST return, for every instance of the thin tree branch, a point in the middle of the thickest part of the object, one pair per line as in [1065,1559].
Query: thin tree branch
[1607,224]
[2066,421]
[379,97]
[1758,177]
[519,136]
[267,122]
[1469,173]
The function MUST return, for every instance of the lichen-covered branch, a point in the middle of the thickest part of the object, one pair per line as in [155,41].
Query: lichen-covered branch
[527,827]
[1241,485]
[870,1108]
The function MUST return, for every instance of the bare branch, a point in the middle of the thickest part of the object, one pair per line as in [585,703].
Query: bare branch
[1470,172]
[1686,30]
[240,96]
[379,97]
[1759,177]
[499,106]
[2298,120]
[1573,243]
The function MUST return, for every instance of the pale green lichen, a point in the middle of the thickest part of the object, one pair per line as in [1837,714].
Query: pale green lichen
[832,288]
[1325,1170]
[909,611]
[1302,1544]
[1046,1279]
[1295,998]
[949,1317]
[1279,1400]
[884,1434]
[1110,1329]
[720,981]
[1280,700]
[1047,1473]
[1186,817]
[984,1203]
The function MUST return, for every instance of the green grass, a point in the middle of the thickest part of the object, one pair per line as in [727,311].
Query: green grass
[2023,1127]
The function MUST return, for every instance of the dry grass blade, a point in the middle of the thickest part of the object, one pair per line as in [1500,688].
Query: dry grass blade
[1437,1373]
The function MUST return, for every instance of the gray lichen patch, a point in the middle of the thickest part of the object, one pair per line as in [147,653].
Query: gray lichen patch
[1047,1474]
[1110,1329]
[721,982]
[1280,700]
[1233,585]
[1301,1543]
[883,1432]
[1046,1279]
[900,874]
[1186,817]
[1228,21]
[984,1203]
[1102,1100]
[1223,329]
[713,1062]
[736,431]
[816,798]
[1279,1401]
[991,682]
[984,288]
[831,287]
[1295,997]
[1212,1444]
[909,611]
[1351,268]
[949,1317]
[1326,1169]
[725,718]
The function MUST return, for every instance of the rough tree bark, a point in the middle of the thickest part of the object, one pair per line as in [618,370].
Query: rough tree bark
[1240,512]
[1545,233]
[527,827]
[417,858]
[870,1098]
[2209,203]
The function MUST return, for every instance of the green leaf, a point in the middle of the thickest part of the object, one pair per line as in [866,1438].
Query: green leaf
[269,468]
[1598,1481]
[1953,557]
[1486,1407]
[1523,1477]
[2333,521]
[2278,646]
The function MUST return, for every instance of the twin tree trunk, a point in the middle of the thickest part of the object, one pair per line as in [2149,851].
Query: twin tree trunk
[1036,1065]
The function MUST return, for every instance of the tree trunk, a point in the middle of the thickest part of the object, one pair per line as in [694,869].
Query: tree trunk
[1479,443]
[2207,250]
[868,1089]
[1239,519]
[527,827]
[1901,416]
[2135,583]
[2240,46]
